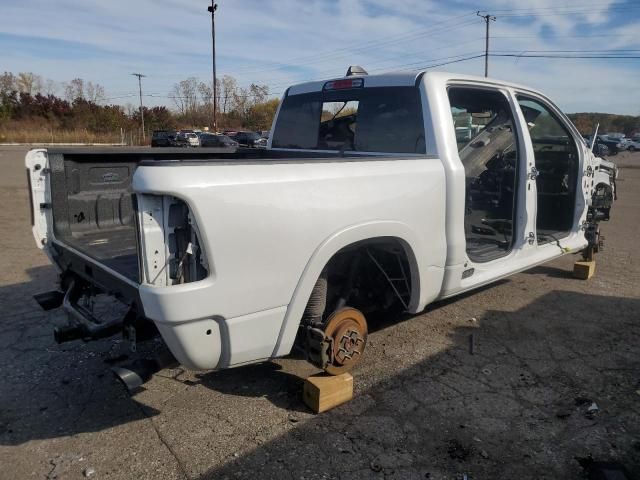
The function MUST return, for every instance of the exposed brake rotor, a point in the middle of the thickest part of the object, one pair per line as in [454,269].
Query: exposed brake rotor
[346,338]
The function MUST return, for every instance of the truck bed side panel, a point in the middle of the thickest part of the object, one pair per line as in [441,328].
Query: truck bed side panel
[261,224]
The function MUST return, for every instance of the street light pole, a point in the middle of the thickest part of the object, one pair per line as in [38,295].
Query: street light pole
[487,18]
[139,75]
[212,9]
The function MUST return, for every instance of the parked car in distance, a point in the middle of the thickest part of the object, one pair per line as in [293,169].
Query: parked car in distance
[613,144]
[188,139]
[163,138]
[213,140]
[599,148]
[633,145]
[248,139]
[615,135]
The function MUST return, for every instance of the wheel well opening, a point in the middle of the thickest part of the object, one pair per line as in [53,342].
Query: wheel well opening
[371,275]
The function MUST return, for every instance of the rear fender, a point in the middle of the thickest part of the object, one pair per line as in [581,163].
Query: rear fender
[426,279]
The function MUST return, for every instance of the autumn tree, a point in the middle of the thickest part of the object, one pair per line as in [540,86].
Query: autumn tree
[261,114]
[7,83]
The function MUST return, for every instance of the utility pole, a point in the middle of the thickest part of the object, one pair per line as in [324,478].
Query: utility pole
[139,75]
[487,18]
[212,9]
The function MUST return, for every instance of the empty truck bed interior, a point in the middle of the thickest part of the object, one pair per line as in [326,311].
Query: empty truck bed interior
[92,201]
[93,209]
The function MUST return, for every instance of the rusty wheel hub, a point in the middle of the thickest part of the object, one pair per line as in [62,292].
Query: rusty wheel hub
[347,331]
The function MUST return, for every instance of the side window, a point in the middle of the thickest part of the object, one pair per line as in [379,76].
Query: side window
[556,158]
[488,150]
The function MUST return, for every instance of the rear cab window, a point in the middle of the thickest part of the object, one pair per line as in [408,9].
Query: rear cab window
[375,119]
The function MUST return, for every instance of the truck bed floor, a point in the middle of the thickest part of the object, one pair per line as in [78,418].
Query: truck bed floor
[114,248]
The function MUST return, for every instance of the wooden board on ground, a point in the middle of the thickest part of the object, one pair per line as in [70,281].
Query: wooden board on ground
[584,270]
[323,392]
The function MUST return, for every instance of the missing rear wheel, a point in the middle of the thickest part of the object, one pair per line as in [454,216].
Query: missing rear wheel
[345,340]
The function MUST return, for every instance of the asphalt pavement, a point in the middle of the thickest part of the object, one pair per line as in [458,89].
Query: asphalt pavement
[555,380]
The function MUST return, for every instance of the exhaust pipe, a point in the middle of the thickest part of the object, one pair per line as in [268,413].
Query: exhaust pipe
[133,375]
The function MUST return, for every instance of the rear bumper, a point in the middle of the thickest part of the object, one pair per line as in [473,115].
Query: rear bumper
[202,341]
[199,339]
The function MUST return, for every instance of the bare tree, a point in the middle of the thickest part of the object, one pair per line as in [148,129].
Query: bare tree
[28,82]
[206,93]
[185,97]
[74,89]
[50,87]
[131,109]
[176,96]
[258,93]
[189,89]
[95,92]
[228,86]
[244,99]
[206,96]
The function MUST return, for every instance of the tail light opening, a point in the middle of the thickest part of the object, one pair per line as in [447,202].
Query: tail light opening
[170,248]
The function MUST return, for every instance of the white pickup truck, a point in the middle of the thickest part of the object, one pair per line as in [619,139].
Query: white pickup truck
[375,192]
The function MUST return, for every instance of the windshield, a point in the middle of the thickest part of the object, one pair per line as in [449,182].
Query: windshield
[384,119]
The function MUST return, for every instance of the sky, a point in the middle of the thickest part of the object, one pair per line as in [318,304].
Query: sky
[283,42]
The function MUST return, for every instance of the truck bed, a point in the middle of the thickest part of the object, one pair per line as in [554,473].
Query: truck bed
[92,201]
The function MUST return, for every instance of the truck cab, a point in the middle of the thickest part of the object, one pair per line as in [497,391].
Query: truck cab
[519,176]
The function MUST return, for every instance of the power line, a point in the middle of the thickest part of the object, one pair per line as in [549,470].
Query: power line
[341,52]
[591,35]
[580,5]
[420,64]
[240,95]
[337,74]
[614,50]
[367,44]
[526,55]
[408,36]
[417,33]
[465,56]
[451,61]
[566,12]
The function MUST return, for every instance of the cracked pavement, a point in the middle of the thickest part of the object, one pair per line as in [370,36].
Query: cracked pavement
[547,347]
